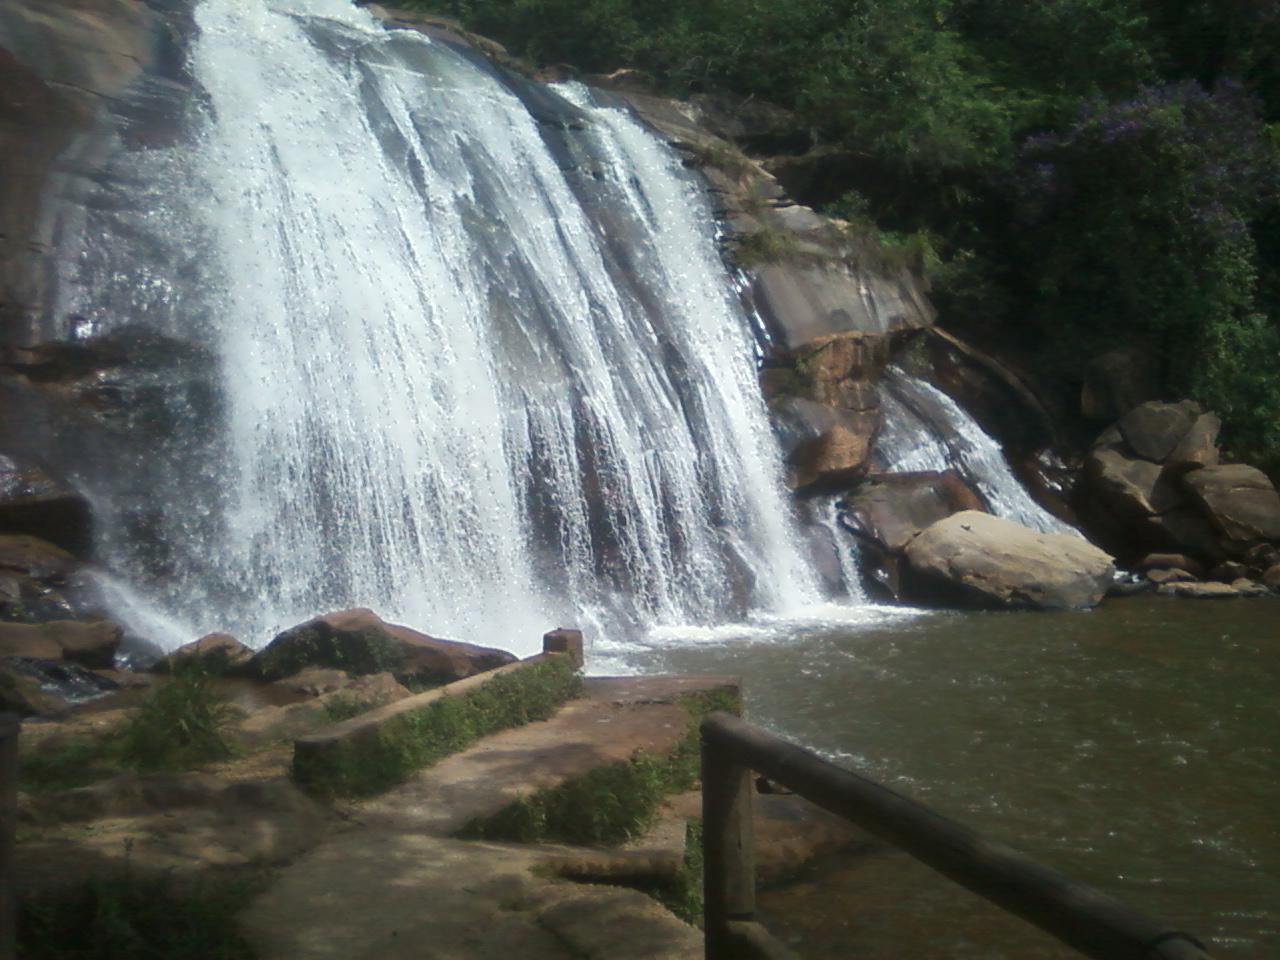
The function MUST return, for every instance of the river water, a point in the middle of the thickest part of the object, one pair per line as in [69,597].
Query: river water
[1135,747]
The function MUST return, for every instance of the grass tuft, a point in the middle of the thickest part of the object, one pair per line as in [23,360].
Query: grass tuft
[181,724]
[389,754]
[132,919]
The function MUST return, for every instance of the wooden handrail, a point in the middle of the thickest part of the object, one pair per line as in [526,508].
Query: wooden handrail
[10,726]
[1095,924]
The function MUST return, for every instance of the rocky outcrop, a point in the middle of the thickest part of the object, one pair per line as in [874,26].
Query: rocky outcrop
[825,407]
[360,642]
[217,652]
[1152,483]
[90,643]
[33,502]
[981,560]
[887,511]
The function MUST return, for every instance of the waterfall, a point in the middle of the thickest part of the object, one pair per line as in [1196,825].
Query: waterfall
[924,429]
[477,362]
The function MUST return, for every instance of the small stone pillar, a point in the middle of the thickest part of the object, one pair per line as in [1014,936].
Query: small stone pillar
[565,640]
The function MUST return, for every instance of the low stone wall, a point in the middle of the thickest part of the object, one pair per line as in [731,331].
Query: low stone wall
[376,750]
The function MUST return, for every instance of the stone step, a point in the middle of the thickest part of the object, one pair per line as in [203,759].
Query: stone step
[615,718]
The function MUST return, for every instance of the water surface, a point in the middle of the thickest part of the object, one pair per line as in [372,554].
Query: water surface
[1135,747]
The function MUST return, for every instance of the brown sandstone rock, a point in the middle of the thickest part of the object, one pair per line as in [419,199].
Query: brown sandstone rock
[25,696]
[360,642]
[1171,575]
[1131,487]
[836,458]
[1238,499]
[35,558]
[1200,591]
[980,559]
[1167,561]
[34,503]
[893,508]
[1154,430]
[91,643]
[219,651]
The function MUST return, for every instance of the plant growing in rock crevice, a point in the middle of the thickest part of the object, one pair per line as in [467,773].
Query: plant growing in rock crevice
[182,723]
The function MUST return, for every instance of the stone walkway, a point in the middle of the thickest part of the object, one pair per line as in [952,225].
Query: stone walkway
[396,883]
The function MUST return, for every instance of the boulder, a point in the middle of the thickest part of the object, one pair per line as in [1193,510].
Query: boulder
[1167,561]
[218,652]
[24,695]
[835,459]
[1239,501]
[1272,578]
[892,509]
[33,502]
[35,558]
[1154,430]
[360,642]
[1184,529]
[317,681]
[1249,588]
[1198,448]
[1130,487]
[1170,575]
[1209,590]
[1228,571]
[91,643]
[978,559]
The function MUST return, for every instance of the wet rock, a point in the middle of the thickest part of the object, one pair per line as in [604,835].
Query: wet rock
[219,653]
[1272,578]
[1179,561]
[25,695]
[1171,575]
[835,459]
[33,502]
[1239,500]
[1229,571]
[1249,588]
[1208,590]
[35,558]
[893,508]
[91,643]
[978,559]
[360,642]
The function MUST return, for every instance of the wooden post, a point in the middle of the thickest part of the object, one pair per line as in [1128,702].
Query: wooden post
[565,640]
[728,844]
[9,729]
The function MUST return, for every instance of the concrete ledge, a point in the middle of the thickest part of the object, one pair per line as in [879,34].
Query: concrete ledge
[378,749]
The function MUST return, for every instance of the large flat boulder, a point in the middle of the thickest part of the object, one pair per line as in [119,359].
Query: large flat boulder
[360,642]
[977,559]
[1239,500]
[92,643]
[1132,487]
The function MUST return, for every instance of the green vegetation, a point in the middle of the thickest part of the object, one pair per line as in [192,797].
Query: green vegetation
[316,644]
[387,755]
[683,895]
[131,919]
[764,246]
[611,804]
[1076,176]
[65,763]
[181,724]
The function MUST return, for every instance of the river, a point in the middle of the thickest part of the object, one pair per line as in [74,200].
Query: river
[1135,747]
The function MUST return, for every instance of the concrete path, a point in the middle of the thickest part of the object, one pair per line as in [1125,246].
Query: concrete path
[396,884]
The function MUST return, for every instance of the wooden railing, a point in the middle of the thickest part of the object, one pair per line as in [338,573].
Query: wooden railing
[9,729]
[1090,921]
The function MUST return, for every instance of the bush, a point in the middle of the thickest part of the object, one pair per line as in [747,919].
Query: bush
[182,723]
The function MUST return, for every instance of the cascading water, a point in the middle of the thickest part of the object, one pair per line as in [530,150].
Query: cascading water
[924,429]
[480,366]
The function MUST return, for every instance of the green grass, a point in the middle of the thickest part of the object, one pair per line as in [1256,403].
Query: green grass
[63,764]
[683,894]
[386,756]
[131,919]
[182,723]
[614,803]
[763,247]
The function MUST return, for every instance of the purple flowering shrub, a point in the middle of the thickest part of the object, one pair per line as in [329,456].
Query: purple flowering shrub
[1137,227]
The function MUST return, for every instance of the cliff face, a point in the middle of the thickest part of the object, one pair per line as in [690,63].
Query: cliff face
[61,67]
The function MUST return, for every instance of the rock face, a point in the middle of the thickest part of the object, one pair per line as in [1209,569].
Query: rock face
[33,502]
[825,407]
[360,642]
[90,643]
[1153,483]
[887,511]
[990,562]
[220,651]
